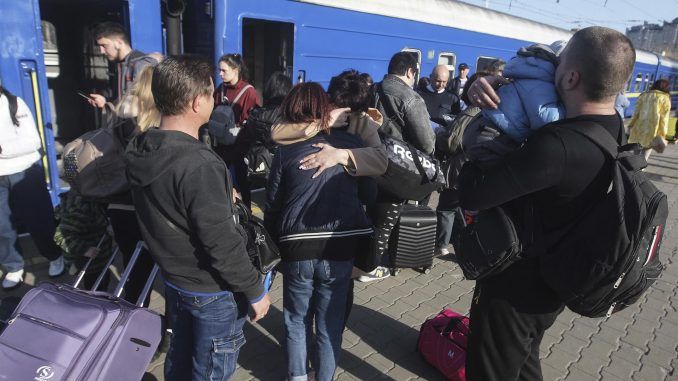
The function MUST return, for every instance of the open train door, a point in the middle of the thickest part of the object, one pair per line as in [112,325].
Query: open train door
[267,47]
[29,39]
[22,71]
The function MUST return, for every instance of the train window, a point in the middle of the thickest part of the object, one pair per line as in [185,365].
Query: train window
[638,84]
[484,63]
[646,85]
[448,59]
[50,49]
[651,79]
[416,52]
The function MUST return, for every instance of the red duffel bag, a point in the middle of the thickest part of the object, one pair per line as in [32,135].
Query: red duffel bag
[442,343]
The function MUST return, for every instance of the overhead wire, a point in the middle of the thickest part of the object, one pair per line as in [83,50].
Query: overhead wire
[576,17]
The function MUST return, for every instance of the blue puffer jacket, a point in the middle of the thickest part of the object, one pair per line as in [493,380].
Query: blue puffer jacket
[300,208]
[531,101]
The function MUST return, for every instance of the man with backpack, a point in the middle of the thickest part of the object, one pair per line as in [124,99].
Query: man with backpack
[564,173]
[114,43]
[405,118]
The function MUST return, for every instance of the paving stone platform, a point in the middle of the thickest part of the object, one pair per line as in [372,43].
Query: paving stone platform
[639,343]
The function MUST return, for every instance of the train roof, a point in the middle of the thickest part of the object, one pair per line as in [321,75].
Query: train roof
[647,57]
[654,59]
[455,14]
[673,64]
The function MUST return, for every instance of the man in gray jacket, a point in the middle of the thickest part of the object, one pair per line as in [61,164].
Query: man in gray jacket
[405,118]
[404,111]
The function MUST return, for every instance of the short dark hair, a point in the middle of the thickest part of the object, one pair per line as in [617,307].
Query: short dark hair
[401,62]
[177,80]
[307,102]
[662,84]
[604,59]
[277,87]
[235,60]
[110,29]
[368,78]
[350,89]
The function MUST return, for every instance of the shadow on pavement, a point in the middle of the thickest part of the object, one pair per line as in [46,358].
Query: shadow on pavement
[263,357]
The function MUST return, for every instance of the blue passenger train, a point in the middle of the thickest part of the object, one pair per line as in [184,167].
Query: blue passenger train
[47,53]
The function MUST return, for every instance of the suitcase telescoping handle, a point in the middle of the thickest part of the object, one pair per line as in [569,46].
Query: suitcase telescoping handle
[81,273]
[128,270]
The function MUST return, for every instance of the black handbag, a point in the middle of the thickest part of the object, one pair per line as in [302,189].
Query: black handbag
[488,243]
[410,174]
[263,252]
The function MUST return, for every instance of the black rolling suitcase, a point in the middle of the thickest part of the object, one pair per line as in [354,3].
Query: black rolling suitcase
[412,242]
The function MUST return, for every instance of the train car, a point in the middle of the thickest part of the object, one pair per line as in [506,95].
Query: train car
[47,53]
[649,68]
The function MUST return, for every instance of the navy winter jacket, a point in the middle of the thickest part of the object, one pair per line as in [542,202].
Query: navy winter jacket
[300,209]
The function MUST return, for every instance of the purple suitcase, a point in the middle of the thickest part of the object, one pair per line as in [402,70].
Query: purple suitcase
[59,332]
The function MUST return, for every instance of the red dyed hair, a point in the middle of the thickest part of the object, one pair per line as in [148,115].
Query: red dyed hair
[307,102]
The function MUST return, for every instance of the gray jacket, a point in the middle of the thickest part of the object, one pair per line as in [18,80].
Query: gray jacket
[405,113]
[133,64]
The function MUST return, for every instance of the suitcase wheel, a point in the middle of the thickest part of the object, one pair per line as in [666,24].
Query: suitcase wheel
[427,270]
[395,271]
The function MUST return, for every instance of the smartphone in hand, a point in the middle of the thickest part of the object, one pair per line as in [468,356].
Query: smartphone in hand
[85,96]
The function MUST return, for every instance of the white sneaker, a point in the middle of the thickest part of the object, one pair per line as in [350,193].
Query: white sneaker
[56,267]
[13,279]
[379,273]
[441,251]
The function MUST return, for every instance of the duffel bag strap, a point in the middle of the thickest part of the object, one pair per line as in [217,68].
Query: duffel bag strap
[455,322]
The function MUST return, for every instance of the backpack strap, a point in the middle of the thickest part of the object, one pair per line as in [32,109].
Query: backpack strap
[599,136]
[241,93]
[388,110]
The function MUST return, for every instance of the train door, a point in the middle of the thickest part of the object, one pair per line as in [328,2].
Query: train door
[267,47]
[22,71]
[49,55]
[80,67]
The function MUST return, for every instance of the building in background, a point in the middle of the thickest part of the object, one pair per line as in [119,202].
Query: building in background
[662,39]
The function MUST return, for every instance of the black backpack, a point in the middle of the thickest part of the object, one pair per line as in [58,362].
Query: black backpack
[261,146]
[605,261]
[221,125]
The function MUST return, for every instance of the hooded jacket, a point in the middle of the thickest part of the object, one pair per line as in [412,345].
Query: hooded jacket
[182,195]
[530,101]
[311,218]
[650,117]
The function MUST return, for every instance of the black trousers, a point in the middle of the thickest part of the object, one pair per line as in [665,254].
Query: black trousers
[127,234]
[509,314]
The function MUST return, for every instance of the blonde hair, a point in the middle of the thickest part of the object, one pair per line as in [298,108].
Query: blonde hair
[139,102]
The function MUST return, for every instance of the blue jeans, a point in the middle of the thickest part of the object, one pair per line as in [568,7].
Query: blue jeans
[24,201]
[206,335]
[314,289]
